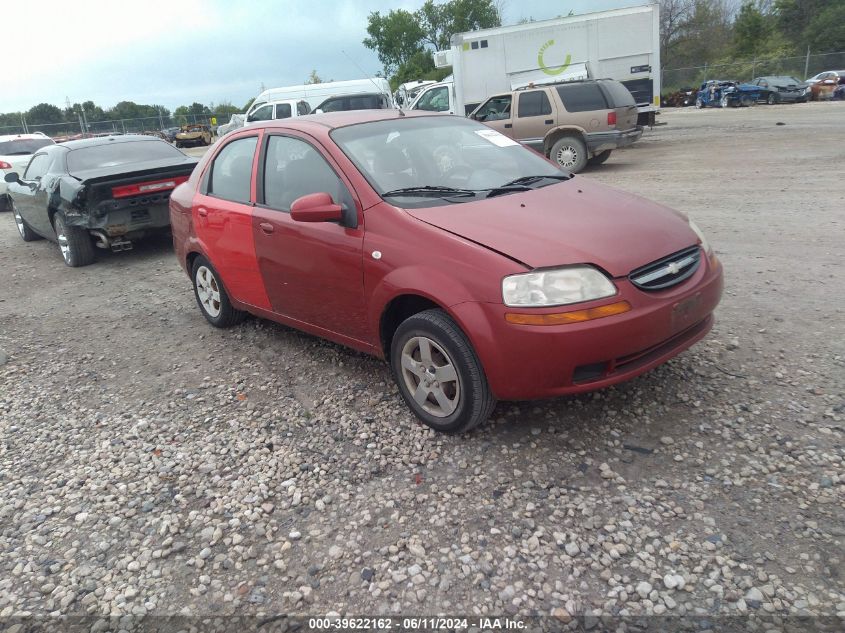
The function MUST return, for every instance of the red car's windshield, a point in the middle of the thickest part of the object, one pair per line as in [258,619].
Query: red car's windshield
[439,153]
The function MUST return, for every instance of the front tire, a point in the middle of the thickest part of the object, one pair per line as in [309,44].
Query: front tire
[772,99]
[26,233]
[211,296]
[74,242]
[570,153]
[599,158]
[724,102]
[439,374]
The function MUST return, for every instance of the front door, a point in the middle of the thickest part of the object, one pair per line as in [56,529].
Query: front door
[496,113]
[312,271]
[30,197]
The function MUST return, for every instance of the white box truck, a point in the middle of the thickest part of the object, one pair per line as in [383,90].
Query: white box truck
[621,44]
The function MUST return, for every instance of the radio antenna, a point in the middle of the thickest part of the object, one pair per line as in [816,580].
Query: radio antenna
[367,75]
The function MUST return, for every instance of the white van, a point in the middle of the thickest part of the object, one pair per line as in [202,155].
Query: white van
[316,94]
[282,109]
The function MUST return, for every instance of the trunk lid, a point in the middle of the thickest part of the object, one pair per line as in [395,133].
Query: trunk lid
[573,222]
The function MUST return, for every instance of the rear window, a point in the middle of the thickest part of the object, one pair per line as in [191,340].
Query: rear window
[356,102]
[24,146]
[582,97]
[112,154]
[618,94]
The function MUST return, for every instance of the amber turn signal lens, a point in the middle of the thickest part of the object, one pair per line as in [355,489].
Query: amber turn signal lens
[562,318]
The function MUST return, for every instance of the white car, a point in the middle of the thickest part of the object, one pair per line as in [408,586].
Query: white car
[15,152]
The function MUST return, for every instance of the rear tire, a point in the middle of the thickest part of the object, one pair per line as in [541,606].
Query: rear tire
[599,158]
[26,233]
[75,243]
[212,297]
[570,153]
[439,374]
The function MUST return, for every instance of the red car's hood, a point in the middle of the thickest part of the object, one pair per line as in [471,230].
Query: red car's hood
[573,222]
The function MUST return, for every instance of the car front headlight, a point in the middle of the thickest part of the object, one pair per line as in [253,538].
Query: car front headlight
[704,243]
[559,286]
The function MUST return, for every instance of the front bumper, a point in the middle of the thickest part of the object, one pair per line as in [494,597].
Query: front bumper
[601,141]
[531,362]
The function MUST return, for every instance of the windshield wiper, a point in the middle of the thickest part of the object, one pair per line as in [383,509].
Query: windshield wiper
[527,180]
[430,190]
[522,184]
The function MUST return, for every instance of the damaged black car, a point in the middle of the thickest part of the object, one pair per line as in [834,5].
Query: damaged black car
[99,192]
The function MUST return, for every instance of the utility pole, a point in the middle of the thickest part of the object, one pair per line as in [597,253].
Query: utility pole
[23,123]
[807,63]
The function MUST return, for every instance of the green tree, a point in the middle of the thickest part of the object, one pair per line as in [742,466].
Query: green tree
[314,78]
[395,37]
[225,109]
[401,38]
[44,113]
[441,21]
[751,31]
[248,104]
[825,33]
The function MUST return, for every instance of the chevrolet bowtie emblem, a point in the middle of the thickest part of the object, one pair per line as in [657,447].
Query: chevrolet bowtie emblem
[673,268]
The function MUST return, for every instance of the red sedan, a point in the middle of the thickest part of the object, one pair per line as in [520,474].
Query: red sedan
[478,269]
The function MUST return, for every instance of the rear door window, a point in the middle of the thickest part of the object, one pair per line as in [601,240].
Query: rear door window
[581,97]
[231,173]
[534,103]
[283,111]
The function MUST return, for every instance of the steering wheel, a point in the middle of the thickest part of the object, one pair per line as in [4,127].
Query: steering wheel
[447,162]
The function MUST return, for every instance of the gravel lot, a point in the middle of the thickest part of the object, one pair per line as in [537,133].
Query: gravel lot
[153,465]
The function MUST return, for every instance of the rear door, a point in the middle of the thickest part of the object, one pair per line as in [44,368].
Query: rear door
[313,271]
[222,217]
[534,117]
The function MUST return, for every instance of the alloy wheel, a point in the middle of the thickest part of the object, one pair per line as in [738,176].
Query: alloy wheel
[430,376]
[208,291]
[19,222]
[61,238]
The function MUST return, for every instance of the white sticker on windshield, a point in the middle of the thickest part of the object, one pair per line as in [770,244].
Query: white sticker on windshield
[496,138]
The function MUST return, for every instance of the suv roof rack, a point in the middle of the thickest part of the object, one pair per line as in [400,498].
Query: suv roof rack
[534,86]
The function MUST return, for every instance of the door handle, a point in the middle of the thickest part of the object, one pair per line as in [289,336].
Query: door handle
[267,227]
[550,121]
[508,125]
[202,212]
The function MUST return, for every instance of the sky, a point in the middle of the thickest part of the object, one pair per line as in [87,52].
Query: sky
[174,52]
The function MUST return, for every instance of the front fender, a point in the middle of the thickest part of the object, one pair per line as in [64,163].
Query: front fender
[421,280]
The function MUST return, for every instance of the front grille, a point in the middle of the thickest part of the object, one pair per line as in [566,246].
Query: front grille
[667,272]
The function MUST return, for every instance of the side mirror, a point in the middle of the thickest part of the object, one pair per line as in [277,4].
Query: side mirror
[315,207]
[12,176]
[318,111]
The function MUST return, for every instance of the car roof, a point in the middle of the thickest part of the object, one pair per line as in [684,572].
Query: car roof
[23,137]
[105,140]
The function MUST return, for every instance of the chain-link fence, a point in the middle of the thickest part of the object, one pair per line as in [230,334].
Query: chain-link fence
[802,67]
[83,128]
